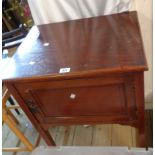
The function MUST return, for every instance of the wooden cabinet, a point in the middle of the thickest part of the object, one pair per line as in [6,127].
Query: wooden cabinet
[105,80]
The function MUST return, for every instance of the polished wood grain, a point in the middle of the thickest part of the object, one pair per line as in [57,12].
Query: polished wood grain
[88,46]
[104,85]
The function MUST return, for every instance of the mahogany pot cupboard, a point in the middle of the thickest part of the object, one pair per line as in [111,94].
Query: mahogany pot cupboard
[85,71]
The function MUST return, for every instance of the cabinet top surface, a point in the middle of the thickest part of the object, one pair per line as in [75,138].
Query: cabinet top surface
[99,44]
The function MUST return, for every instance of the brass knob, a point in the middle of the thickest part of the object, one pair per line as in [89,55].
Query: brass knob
[32,106]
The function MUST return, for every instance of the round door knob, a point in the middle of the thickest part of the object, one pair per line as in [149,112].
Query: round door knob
[72,96]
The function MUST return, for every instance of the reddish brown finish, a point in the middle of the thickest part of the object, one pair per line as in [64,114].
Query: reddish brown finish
[99,44]
[139,94]
[91,94]
[105,84]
